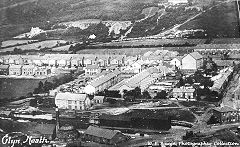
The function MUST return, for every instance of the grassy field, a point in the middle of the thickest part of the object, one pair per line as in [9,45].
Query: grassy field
[35,46]
[62,48]
[154,42]
[12,88]
[14,42]
[132,51]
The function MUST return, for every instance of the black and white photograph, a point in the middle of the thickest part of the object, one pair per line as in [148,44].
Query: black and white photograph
[119,73]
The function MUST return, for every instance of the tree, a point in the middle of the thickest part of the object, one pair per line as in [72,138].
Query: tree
[39,89]
[47,86]
[33,103]
[137,92]
[146,95]
[181,82]
[161,95]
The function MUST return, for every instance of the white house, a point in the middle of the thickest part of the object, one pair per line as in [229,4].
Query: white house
[192,61]
[93,36]
[177,61]
[28,70]
[72,101]
[137,66]
[92,70]
[15,70]
[52,62]
[178,1]
[184,93]
[98,99]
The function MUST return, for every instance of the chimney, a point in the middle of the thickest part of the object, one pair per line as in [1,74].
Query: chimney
[57,120]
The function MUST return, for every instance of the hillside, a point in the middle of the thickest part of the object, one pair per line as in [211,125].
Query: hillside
[149,17]
[220,21]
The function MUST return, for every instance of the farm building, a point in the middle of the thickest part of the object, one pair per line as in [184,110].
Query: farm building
[72,101]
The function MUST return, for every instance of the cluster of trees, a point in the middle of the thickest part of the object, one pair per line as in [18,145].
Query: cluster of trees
[107,93]
[42,102]
[136,93]
[46,86]
[100,30]
[133,95]
[197,77]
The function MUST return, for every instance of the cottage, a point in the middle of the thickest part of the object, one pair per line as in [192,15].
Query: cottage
[42,72]
[137,66]
[130,60]
[15,70]
[88,61]
[104,136]
[72,101]
[177,61]
[98,99]
[192,61]
[52,62]
[225,115]
[183,93]
[28,70]
[92,70]
[4,69]
[62,62]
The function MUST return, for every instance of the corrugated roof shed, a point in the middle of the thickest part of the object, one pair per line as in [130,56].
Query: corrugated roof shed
[104,78]
[100,132]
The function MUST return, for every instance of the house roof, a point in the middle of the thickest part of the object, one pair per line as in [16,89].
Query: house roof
[4,66]
[225,62]
[183,90]
[179,58]
[100,132]
[45,129]
[196,55]
[7,113]
[71,96]
[98,97]
[15,66]
[92,67]
[147,53]
[234,56]
[140,62]
[104,78]
[224,109]
[28,66]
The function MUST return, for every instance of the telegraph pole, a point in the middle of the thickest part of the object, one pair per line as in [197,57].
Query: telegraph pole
[238,13]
